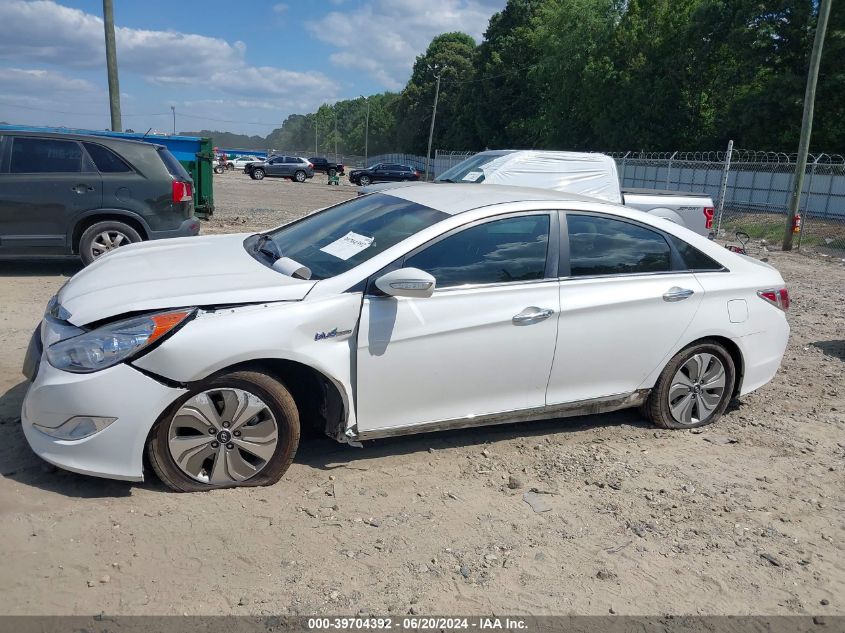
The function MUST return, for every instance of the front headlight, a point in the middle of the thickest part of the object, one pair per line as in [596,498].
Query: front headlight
[113,343]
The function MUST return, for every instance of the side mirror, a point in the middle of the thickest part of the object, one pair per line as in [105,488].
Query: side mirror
[407,282]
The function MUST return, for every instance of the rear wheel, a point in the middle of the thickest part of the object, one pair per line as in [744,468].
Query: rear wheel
[332,172]
[257,174]
[218,169]
[300,176]
[694,388]
[239,429]
[364,180]
[102,237]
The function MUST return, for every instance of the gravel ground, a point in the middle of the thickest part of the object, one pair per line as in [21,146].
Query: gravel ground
[745,517]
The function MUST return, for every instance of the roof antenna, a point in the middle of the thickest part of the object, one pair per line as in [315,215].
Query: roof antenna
[147,132]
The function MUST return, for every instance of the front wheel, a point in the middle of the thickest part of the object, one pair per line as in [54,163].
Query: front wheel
[364,180]
[257,174]
[239,429]
[694,388]
[103,237]
[300,176]
[218,169]
[332,172]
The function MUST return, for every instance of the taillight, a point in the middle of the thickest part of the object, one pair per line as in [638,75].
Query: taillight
[708,217]
[182,191]
[310,166]
[778,297]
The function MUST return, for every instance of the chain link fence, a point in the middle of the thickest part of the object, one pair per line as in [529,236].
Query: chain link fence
[751,190]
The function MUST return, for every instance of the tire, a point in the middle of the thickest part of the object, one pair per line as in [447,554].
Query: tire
[273,412]
[364,181]
[230,166]
[218,169]
[102,237]
[332,172]
[257,174]
[299,176]
[681,398]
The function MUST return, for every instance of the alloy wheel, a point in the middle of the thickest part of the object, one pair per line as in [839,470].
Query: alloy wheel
[697,389]
[108,241]
[364,181]
[223,436]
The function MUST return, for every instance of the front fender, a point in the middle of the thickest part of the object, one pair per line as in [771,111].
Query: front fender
[291,331]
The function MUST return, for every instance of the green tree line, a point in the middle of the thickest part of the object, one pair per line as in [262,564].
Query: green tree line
[606,75]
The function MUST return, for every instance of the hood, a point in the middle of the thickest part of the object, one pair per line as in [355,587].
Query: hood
[385,186]
[189,271]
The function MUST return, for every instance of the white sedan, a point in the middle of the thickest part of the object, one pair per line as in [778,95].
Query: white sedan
[240,162]
[418,309]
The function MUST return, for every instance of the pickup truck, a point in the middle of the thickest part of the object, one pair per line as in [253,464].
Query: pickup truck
[589,174]
[324,166]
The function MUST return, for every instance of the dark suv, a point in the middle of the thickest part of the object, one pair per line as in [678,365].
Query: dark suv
[69,194]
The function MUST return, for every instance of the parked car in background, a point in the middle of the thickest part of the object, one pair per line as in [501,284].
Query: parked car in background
[384,172]
[588,174]
[69,194]
[423,308]
[324,166]
[294,167]
[240,162]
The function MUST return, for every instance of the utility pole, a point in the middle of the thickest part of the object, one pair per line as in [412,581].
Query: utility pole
[316,149]
[366,132]
[173,109]
[111,65]
[335,132]
[806,122]
[433,116]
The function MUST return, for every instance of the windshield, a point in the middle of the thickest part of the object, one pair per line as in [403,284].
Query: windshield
[339,238]
[469,170]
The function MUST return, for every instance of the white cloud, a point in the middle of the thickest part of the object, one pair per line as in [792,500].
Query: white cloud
[15,81]
[383,37]
[280,8]
[43,31]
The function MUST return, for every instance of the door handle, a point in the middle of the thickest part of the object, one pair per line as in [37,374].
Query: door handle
[677,294]
[532,314]
[82,188]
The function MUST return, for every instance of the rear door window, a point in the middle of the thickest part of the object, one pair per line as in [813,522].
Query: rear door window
[600,245]
[45,156]
[107,161]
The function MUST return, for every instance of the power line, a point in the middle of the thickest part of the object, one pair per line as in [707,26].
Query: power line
[29,107]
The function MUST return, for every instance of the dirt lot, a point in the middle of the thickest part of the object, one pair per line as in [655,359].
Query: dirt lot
[744,517]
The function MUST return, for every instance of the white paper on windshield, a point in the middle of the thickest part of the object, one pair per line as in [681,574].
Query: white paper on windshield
[347,246]
[473,176]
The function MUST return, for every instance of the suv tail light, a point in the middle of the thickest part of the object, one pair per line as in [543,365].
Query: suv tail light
[708,217]
[182,191]
[778,297]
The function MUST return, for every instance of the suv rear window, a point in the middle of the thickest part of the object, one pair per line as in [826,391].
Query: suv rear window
[107,161]
[45,156]
[173,166]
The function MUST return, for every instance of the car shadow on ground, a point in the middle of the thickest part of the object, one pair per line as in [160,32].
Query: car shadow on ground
[834,349]
[325,454]
[64,267]
[19,463]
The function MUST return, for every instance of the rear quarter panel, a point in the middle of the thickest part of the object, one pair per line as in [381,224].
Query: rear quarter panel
[688,209]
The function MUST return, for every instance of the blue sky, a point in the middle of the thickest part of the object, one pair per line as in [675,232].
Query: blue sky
[226,65]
